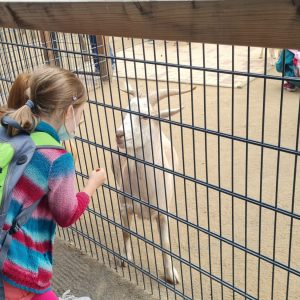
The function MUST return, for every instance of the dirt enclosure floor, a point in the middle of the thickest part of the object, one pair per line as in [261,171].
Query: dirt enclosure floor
[245,170]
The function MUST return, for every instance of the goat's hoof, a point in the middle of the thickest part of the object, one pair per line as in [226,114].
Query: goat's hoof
[172,276]
[122,263]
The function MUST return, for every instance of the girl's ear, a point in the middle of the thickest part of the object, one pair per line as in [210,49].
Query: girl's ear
[69,113]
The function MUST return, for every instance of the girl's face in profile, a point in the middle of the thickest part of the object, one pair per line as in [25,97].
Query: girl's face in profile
[74,117]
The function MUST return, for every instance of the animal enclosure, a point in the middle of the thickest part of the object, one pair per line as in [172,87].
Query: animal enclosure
[233,213]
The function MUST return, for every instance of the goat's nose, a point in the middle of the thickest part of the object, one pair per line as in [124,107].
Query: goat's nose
[119,133]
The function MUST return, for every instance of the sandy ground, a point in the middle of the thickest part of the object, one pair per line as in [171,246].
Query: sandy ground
[83,277]
[231,217]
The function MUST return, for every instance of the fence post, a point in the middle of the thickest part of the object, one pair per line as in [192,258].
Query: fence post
[83,46]
[49,41]
[105,63]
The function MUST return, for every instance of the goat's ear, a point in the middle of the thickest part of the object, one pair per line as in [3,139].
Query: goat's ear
[164,93]
[170,112]
[128,90]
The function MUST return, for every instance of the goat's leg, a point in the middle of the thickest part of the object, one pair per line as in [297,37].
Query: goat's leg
[163,227]
[127,250]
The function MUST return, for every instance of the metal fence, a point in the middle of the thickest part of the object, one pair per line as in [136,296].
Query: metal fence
[234,218]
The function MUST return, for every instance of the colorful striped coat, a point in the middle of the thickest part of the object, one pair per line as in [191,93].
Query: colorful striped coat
[50,175]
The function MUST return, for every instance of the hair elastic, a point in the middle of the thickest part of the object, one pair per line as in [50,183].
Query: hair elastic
[30,104]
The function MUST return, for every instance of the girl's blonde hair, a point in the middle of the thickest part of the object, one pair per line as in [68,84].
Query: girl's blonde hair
[52,91]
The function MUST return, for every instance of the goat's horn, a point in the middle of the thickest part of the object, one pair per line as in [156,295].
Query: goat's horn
[163,93]
[129,90]
[169,112]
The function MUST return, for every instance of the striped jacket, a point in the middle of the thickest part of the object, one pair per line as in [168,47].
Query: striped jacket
[49,175]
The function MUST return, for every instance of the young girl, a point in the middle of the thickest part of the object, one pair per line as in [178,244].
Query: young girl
[56,99]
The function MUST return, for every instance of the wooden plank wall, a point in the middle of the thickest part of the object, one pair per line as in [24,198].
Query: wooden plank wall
[265,23]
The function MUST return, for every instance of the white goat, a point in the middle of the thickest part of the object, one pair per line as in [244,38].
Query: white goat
[143,139]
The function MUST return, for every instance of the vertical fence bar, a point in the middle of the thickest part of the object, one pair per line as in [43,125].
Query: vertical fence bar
[293,203]
[246,168]
[149,122]
[219,168]
[276,190]
[206,167]
[232,172]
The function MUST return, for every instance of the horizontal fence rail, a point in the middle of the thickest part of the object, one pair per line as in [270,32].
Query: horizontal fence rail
[209,21]
[233,210]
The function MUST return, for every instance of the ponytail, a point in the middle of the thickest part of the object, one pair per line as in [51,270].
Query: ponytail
[16,107]
[17,95]
[25,118]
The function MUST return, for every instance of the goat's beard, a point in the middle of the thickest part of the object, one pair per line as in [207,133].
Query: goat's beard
[130,146]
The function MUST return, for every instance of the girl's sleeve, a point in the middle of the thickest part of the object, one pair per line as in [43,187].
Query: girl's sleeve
[66,206]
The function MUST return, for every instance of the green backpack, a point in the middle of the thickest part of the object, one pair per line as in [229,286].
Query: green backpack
[15,154]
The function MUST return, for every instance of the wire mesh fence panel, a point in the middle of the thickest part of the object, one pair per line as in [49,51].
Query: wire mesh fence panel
[201,149]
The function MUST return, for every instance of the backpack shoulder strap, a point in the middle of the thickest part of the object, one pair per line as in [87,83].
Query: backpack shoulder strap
[23,149]
[45,140]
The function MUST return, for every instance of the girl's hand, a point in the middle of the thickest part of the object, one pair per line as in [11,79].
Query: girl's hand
[97,178]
